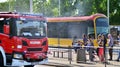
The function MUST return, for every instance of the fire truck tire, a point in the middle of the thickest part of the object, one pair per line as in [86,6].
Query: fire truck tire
[29,66]
[1,60]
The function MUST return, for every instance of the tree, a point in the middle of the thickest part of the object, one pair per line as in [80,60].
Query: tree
[114,12]
[4,6]
[50,8]
[100,6]
[22,5]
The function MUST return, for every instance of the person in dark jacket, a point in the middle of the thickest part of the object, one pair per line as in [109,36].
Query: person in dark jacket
[118,58]
[84,39]
[110,45]
[90,49]
[102,49]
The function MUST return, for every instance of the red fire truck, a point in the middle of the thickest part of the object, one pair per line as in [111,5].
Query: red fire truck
[23,39]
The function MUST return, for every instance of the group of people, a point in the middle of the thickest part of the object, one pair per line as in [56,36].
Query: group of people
[102,40]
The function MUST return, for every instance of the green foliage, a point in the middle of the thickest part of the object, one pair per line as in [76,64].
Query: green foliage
[47,7]
[114,12]
[4,6]
[22,5]
[54,8]
[98,6]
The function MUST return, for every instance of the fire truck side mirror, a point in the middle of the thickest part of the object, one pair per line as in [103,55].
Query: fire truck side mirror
[6,29]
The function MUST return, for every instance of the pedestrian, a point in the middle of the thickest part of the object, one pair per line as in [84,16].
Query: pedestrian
[118,58]
[110,45]
[102,49]
[74,40]
[84,39]
[99,43]
[90,49]
[118,38]
[77,46]
[74,46]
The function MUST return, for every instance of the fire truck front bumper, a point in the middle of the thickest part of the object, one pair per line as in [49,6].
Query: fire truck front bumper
[17,62]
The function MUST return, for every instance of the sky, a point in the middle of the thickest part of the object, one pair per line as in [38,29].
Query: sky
[3,0]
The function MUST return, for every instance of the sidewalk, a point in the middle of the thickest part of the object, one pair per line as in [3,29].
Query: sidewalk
[63,62]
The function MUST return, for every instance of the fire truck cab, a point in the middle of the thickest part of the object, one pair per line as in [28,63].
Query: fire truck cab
[23,39]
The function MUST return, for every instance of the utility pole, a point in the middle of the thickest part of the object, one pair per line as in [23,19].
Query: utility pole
[59,8]
[108,7]
[31,6]
[58,28]
[9,5]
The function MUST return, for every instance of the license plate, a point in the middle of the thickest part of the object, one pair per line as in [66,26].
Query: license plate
[35,63]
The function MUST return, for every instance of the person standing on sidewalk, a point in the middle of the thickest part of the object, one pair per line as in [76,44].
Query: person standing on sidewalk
[99,43]
[101,52]
[90,49]
[102,48]
[110,45]
[84,39]
[77,46]
[118,58]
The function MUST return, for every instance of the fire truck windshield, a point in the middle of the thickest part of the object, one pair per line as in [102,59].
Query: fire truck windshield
[31,28]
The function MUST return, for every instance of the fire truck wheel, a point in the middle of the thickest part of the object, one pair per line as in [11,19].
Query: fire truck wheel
[29,66]
[1,60]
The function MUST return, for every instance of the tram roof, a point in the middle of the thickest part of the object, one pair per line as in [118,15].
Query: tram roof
[73,19]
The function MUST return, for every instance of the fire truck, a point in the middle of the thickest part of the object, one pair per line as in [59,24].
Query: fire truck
[23,39]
